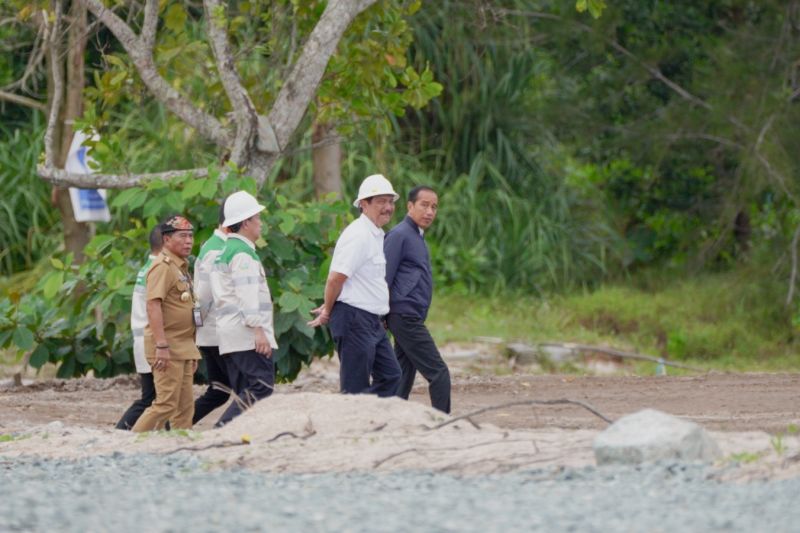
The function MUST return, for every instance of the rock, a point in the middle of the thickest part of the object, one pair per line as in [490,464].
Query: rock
[545,354]
[523,353]
[649,436]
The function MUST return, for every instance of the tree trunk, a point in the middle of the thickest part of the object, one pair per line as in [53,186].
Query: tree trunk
[327,161]
[76,234]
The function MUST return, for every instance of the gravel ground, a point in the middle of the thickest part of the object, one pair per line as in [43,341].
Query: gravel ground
[178,493]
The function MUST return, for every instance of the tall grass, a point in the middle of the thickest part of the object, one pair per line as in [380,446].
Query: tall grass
[29,222]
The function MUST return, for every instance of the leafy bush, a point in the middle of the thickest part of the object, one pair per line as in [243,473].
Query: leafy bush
[77,316]
[28,222]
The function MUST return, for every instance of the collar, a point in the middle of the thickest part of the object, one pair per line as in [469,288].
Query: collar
[180,262]
[413,224]
[375,230]
[221,234]
[242,238]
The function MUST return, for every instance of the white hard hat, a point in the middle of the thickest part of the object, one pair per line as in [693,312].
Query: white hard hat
[374,185]
[240,206]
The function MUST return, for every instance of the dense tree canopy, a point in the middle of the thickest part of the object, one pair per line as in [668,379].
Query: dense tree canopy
[570,146]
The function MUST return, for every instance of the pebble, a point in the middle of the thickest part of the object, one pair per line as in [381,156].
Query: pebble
[179,492]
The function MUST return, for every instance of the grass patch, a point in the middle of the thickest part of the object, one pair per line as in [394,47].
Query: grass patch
[725,321]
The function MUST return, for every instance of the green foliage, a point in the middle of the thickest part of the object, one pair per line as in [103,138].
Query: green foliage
[731,321]
[29,225]
[77,315]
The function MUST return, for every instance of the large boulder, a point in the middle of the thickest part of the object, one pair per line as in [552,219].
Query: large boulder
[650,436]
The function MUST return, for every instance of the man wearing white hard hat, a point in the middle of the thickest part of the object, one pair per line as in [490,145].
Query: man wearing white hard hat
[243,307]
[357,297]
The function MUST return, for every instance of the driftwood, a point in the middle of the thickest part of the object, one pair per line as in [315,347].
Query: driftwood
[618,353]
[563,401]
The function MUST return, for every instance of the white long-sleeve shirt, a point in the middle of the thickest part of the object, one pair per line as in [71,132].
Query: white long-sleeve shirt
[241,296]
[139,317]
[207,333]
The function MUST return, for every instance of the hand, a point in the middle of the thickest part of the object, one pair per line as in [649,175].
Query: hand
[194,366]
[262,344]
[323,317]
[162,359]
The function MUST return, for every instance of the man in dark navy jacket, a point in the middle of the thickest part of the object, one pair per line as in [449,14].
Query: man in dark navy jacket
[408,275]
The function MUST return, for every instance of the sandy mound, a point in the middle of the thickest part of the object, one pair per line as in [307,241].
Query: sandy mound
[312,432]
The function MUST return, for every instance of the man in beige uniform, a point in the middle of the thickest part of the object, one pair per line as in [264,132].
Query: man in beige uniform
[169,335]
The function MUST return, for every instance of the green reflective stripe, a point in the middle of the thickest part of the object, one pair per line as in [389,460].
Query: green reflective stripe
[142,274]
[233,247]
[212,244]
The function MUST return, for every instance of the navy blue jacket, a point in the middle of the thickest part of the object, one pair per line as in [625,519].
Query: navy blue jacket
[408,270]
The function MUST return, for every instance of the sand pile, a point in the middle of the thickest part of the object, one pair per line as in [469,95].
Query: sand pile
[323,432]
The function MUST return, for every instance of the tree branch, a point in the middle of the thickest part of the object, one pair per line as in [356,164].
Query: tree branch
[207,125]
[58,88]
[524,402]
[302,83]
[244,111]
[150,26]
[23,100]
[62,178]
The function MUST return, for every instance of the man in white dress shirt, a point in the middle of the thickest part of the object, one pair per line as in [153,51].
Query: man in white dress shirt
[357,297]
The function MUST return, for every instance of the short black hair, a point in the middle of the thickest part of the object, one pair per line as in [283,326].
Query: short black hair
[413,193]
[234,228]
[156,240]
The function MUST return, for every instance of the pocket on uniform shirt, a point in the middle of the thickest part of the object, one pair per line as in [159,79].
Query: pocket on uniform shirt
[378,263]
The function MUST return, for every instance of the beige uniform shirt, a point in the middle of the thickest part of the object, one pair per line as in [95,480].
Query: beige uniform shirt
[167,279]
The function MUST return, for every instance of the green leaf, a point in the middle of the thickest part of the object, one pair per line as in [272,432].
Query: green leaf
[290,301]
[116,277]
[175,18]
[110,333]
[39,357]
[210,188]
[119,77]
[302,326]
[194,187]
[154,207]
[123,199]
[52,284]
[287,224]
[23,338]
[100,363]
[98,244]
[174,201]
[67,368]
[284,322]
[85,355]
[57,264]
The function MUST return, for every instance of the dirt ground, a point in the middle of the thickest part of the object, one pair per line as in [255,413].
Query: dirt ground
[719,402]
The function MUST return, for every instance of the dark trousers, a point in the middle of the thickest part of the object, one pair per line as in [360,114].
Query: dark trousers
[364,352]
[217,373]
[416,351]
[137,408]
[252,378]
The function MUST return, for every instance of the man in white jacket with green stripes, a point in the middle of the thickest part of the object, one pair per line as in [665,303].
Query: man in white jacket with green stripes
[243,307]
[207,340]
[138,322]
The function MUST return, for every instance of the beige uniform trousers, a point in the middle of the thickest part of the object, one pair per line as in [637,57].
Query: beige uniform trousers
[174,398]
